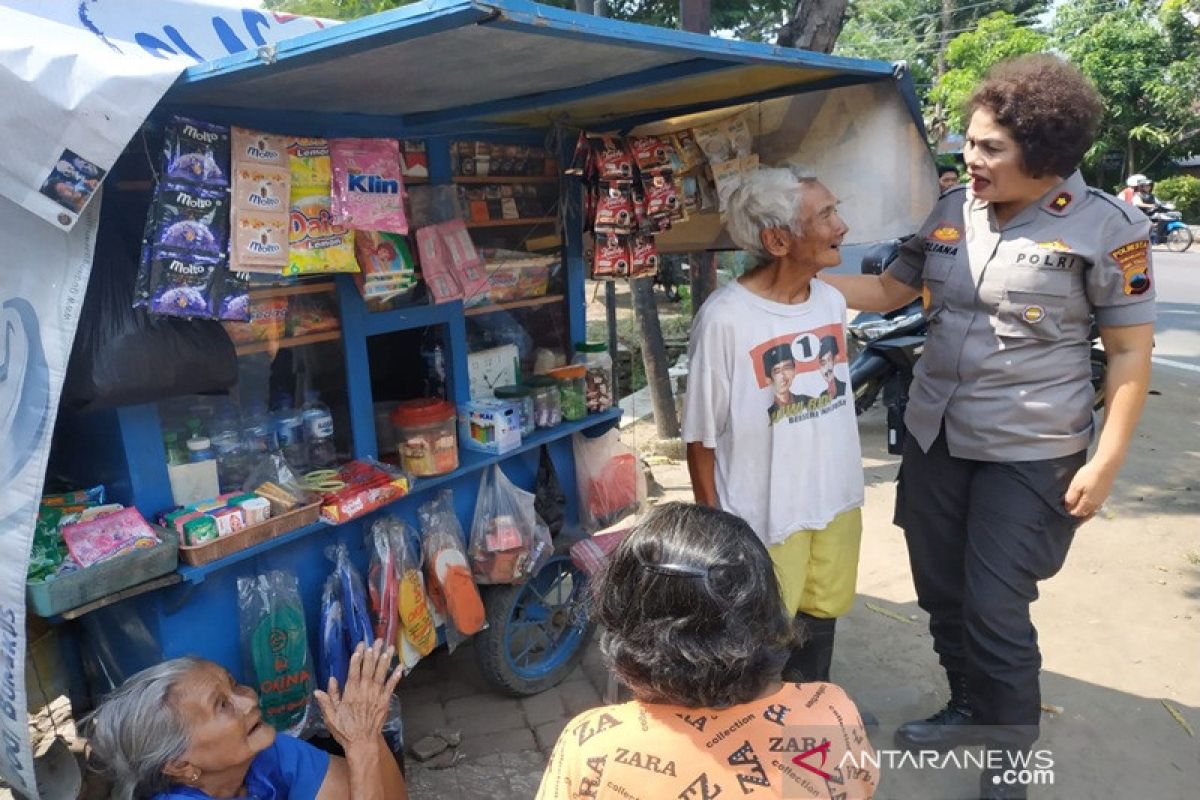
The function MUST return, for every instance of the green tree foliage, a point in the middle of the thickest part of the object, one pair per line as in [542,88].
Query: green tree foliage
[1145,59]
[997,37]
[1184,192]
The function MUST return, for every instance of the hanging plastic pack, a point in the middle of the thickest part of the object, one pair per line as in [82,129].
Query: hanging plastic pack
[333,661]
[609,478]
[381,581]
[260,201]
[451,587]
[316,243]
[275,646]
[502,534]
[368,191]
[353,597]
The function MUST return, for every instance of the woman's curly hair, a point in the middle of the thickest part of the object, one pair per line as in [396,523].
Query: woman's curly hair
[1048,106]
[690,610]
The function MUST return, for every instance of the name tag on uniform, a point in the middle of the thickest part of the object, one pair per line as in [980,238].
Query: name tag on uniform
[1050,255]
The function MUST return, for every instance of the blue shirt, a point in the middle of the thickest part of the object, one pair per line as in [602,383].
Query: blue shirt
[287,770]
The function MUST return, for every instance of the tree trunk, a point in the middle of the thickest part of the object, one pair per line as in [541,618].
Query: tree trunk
[815,25]
[694,15]
[654,358]
[944,35]
[585,6]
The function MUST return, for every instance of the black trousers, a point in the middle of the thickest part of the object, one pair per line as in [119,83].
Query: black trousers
[980,536]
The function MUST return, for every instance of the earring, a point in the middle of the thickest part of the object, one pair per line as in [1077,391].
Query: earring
[194,777]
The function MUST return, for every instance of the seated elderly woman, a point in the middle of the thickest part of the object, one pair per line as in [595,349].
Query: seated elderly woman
[693,624]
[186,729]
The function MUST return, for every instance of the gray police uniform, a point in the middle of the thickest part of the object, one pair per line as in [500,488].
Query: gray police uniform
[1000,416]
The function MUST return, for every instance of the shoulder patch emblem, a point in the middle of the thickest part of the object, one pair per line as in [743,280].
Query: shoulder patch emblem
[1133,258]
[945,232]
[1060,202]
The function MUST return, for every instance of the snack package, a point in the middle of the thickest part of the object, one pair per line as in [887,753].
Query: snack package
[414,632]
[259,241]
[275,646]
[258,187]
[316,243]
[687,151]
[233,293]
[726,140]
[254,147]
[727,175]
[196,152]
[611,256]
[268,322]
[368,190]
[614,209]
[451,586]
[312,313]
[611,159]
[368,485]
[383,256]
[609,479]
[381,581]
[643,259]
[661,197]
[184,285]
[651,152]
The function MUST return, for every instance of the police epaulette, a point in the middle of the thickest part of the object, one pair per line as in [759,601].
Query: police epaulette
[1131,213]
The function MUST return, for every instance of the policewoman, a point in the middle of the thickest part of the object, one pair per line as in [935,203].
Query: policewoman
[995,476]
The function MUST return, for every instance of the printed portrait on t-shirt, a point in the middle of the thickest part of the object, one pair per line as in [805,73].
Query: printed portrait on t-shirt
[803,374]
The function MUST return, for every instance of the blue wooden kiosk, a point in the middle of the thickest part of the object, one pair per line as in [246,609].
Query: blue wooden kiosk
[506,71]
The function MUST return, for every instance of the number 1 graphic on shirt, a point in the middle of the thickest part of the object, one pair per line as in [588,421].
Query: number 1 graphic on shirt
[805,347]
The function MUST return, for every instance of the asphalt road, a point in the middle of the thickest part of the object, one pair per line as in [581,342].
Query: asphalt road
[1177,332]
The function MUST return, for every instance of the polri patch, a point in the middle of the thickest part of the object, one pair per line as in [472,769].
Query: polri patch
[1134,260]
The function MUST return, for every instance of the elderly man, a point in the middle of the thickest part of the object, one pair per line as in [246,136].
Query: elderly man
[775,338]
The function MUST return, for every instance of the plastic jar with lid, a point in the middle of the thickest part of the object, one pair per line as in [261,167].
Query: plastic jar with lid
[547,410]
[598,381]
[427,436]
[520,397]
[571,390]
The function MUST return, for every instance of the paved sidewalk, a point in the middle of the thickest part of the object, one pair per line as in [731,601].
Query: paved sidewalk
[505,741]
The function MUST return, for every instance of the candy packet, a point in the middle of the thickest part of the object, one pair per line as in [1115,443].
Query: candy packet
[368,190]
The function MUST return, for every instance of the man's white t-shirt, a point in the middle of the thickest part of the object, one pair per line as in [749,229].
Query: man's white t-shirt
[769,390]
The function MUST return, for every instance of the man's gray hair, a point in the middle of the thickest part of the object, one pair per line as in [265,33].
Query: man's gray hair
[137,731]
[766,198]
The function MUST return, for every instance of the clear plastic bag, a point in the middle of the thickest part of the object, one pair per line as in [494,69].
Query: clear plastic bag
[353,597]
[502,534]
[411,626]
[451,587]
[275,647]
[609,478]
[333,661]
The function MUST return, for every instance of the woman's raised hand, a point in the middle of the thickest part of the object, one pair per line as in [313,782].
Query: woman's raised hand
[356,714]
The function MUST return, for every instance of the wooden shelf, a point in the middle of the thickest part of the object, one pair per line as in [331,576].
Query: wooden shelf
[529,302]
[315,287]
[510,223]
[291,341]
[415,181]
[505,179]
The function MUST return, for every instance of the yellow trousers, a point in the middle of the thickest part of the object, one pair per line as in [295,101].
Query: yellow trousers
[818,570]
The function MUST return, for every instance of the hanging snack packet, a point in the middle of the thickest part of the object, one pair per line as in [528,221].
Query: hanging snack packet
[611,159]
[643,257]
[651,152]
[353,597]
[191,218]
[233,296]
[661,197]
[255,147]
[261,188]
[368,190]
[687,152]
[308,162]
[275,645]
[381,581]
[416,622]
[196,152]
[611,257]
[447,567]
[614,210]
[259,242]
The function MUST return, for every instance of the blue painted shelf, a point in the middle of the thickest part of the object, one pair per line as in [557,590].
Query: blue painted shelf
[469,461]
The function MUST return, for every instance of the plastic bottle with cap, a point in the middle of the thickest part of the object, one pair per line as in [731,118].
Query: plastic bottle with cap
[318,431]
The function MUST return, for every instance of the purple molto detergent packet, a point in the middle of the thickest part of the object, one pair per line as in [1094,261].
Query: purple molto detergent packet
[191,218]
[196,152]
[183,284]
[234,295]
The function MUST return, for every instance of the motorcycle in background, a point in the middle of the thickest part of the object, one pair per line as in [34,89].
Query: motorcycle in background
[1169,228]
[884,349]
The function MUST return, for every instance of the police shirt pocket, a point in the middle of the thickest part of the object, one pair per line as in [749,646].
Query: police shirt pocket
[1034,303]
[936,275]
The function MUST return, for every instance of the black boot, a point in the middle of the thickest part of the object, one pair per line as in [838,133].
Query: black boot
[946,729]
[811,660]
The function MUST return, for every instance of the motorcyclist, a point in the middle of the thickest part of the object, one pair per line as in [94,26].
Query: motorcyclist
[1144,197]
[1131,186]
